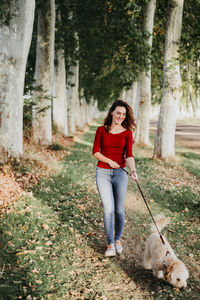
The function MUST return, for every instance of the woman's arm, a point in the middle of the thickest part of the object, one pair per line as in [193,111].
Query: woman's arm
[107,160]
[131,164]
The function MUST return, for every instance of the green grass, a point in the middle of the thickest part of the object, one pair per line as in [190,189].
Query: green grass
[52,242]
[191,162]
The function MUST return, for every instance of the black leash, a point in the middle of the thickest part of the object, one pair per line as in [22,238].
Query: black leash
[147,206]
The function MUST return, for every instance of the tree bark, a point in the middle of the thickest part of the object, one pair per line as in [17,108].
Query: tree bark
[76,98]
[132,94]
[172,92]
[136,97]
[14,47]
[60,99]
[91,107]
[122,95]
[144,107]
[83,112]
[192,99]
[42,131]
[73,98]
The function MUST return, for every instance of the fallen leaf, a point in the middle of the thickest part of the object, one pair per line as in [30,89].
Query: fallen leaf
[45,226]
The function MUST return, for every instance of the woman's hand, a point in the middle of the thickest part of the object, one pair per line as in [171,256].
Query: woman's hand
[134,175]
[113,164]
[131,163]
[101,157]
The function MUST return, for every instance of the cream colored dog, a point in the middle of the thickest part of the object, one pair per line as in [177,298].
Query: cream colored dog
[161,258]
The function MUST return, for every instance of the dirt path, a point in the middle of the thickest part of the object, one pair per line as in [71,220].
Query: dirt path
[187,133]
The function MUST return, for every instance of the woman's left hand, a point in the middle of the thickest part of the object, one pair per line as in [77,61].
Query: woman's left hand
[134,175]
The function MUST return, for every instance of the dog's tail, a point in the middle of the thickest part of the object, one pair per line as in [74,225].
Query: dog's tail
[161,222]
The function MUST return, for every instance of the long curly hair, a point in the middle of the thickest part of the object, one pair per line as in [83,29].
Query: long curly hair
[129,122]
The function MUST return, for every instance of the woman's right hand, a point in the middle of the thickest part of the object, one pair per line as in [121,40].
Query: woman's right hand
[113,164]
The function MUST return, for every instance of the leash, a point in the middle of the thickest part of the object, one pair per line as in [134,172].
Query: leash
[146,206]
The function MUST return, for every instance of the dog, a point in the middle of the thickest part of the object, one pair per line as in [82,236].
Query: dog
[160,257]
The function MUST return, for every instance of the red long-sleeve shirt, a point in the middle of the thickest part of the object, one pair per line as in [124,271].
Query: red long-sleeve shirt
[117,146]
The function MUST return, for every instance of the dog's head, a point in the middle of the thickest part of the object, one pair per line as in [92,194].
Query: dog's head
[175,272]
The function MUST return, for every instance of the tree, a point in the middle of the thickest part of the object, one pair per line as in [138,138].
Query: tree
[42,132]
[144,107]
[60,97]
[165,136]
[109,60]
[73,96]
[14,47]
[190,52]
[60,100]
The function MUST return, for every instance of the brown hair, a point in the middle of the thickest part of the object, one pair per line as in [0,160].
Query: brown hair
[129,122]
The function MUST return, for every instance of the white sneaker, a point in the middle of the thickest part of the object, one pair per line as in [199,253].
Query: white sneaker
[118,247]
[110,251]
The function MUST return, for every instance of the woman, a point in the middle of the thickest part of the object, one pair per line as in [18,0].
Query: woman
[113,148]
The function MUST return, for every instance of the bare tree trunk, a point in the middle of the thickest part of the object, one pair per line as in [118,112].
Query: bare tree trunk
[192,99]
[92,111]
[42,132]
[60,100]
[144,108]
[72,94]
[122,95]
[14,47]
[82,113]
[172,92]
[136,93]
[83,109]
[133,94]
[76,98]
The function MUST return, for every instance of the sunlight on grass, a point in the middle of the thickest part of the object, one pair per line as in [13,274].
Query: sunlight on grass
[80,141]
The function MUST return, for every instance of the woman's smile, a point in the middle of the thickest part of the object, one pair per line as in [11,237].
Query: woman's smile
[119,114]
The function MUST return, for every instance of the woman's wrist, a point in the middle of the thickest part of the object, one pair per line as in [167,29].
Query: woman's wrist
[108,160]
[133,172]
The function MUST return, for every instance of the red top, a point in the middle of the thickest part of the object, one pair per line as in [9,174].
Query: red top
[114,146]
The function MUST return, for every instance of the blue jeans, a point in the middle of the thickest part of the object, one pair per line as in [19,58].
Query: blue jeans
[112,186]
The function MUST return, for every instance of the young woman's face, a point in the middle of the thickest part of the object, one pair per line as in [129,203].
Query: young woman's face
[119,115]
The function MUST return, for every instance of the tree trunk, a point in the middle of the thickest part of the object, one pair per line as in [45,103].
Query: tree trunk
[72,96]
[82,113]
[193,100]
[92,111]
[14,47]
[171,94]
[132,94]
[122,95]
[60,100]
[42,132]
[76,98]
[144,108]
[136,98]
[83,109]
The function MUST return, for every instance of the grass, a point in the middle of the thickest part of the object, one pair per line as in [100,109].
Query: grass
[191,163]
[52,239]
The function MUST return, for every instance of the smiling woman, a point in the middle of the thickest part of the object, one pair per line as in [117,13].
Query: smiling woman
[118,116]
[113,148]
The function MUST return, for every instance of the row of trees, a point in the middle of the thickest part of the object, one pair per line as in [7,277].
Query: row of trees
[171,55]
[71,58]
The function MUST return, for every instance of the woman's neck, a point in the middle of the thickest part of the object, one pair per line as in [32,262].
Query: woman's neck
[115,128]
